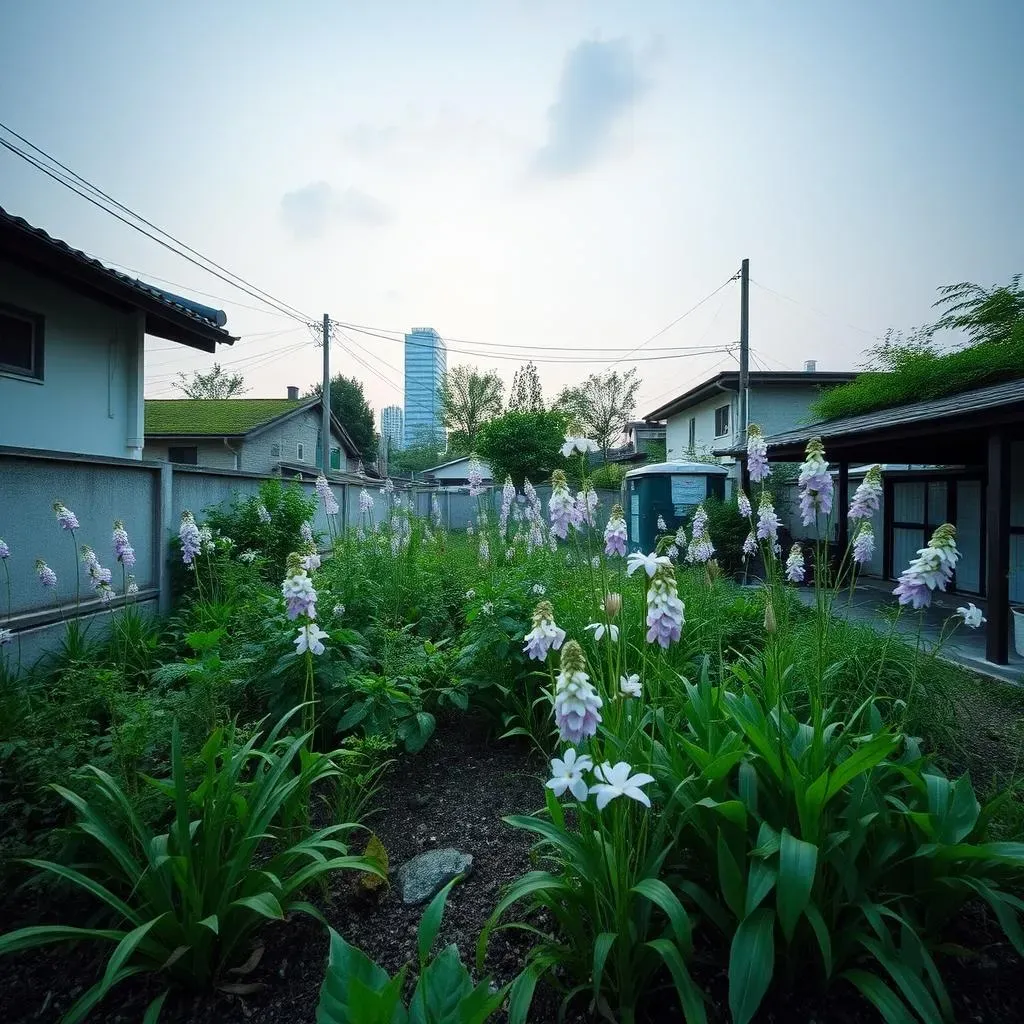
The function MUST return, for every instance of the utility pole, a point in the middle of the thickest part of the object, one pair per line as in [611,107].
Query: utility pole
[744,347]
[325,401]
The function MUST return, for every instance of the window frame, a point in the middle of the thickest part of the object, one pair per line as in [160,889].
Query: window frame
[300,451]
[38,324]
[183,448]
[692,434]
[727,409]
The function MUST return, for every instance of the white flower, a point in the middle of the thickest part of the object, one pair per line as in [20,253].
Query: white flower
[616,781]
[578,444]
[662,527]
[247,556]
[487,607]
[971,615]
[538,589]
[470,595]
[595,562]
[567,774]
[629,686]
[309,639]
[600,629]
[311,561]
[649,563]
[339,610]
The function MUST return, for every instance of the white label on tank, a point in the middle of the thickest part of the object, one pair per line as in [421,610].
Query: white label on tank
[689,490]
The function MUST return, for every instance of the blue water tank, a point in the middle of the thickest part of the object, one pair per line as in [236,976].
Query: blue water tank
[671,490]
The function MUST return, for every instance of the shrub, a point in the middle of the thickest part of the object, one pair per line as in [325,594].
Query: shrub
[187,901]
[608,477]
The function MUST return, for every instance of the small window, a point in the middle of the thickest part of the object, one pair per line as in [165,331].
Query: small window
[187,455]
[335,458]
[21,342]
[693,433]
[721,421]
[275,451]
[300,452]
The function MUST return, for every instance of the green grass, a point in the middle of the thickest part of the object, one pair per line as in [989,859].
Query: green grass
[924,376]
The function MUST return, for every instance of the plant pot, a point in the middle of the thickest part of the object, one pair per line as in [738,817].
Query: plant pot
[1018,630]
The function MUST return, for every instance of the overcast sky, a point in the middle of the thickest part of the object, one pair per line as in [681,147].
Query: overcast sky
[570,176]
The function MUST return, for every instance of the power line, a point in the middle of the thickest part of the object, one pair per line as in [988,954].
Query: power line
[262,359]
[248,360]
[818,312]
[270,335]
[250,289]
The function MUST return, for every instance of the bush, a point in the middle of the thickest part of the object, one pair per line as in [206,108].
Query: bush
[187,901]
[608,477]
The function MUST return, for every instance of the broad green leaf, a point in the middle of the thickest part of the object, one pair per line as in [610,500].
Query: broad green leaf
[440,990]
[690,996]
[263,903]
[152,1014]
[1002,907]
[91,886]
[730,878]
[751,964]
[760,881]
[521,995]
[86,1003]
[123,953]
[350,975]
[731,810]
[430,922]
[964,810]
[602,947]
[888,1004]
[817,922]
[797,865]
[210,922]
[913,988]
[655,890]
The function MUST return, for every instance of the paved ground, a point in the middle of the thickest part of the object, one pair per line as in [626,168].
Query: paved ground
[873,602]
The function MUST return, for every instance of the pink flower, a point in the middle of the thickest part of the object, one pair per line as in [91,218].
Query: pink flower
[665,610]
[123,550]
[67,519]
[931,570]
[743,502]
[757,455]
[561,507]
[577,704]
[864,544]
[815,483]
[188,534]
[615,533]
[47,576]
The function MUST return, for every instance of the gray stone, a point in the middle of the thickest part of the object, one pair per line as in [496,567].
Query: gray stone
[428,873]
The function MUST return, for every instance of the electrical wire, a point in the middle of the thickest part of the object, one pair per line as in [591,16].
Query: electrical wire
[251,290]
[263,359]
[817,312]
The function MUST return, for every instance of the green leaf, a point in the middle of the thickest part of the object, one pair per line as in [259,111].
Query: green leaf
[440,990]
[888,1004]
[122,954]
[263,903]
[964,811]
[761,880]
[49,934]
[730,878]
[602,947]
[690,996]
[152,1014]
[751,964]
[212,923]
[731,810]
[655,890]
[817,922]
[430,922]
[797,865]
[521,994]
[349,984]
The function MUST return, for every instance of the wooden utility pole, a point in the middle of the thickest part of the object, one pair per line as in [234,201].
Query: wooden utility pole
[744,348]
[325,401]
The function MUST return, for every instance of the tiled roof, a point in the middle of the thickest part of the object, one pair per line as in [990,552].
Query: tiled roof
[152,299]
[224,417]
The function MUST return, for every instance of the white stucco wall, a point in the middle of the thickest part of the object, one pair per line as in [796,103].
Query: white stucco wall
[677,431]
[90,398]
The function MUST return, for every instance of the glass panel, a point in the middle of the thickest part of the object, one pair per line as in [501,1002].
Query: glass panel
[937,507]
[905,544]
[1017,483]
[968,534]
[908,502]
[1017,568]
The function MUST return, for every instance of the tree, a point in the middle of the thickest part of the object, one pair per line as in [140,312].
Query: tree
[349,405]
[215,384]
[469,398]
[602,405]
[523,444]
[415,458]
[985,315]
[525,394]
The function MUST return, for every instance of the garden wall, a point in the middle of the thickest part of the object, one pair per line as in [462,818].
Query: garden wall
[148,496]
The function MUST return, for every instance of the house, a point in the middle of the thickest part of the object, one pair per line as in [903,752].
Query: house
[71,345]
[641,434]
[259,435]
[706,417]
[456,473]
[979,435]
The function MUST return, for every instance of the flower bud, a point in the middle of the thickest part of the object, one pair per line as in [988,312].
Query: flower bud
[612,605]
[769,618]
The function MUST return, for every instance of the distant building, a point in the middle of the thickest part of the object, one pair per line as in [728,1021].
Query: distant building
[392,427]
[456,472]
[426,360]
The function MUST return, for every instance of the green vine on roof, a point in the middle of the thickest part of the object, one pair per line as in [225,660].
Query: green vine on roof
[906,368]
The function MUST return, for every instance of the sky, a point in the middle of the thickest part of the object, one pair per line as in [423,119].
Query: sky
[531,178]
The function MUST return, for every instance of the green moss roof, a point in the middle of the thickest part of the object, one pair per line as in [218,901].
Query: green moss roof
[216,417]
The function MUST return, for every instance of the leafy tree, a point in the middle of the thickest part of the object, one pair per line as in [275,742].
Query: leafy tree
[985,315]
[523,444]
[348,403]
[525,394]
[415,458]
[602,405]
[469,398]
[218,383]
